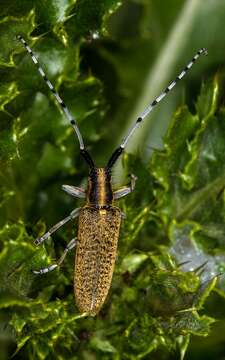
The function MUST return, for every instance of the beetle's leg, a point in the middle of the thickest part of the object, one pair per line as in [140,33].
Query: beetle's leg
[44,237]
[70,246]
[126,190]
[74,191]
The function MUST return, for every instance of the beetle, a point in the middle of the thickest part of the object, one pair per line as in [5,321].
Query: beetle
[99,220]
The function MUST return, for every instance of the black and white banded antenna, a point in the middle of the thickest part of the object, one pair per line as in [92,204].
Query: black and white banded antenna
[150,107]
[63,106]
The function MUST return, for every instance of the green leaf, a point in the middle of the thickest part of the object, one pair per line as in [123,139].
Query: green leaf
[103,345]
[132,262]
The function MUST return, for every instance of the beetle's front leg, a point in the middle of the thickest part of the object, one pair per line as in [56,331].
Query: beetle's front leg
[74,191]
[44,237]
[126,190]
[49,268]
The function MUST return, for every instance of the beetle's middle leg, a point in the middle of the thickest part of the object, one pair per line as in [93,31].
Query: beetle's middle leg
[49,268]
[44,237]
[126,190]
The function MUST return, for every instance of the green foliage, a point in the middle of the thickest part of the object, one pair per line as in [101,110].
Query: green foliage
[168,287]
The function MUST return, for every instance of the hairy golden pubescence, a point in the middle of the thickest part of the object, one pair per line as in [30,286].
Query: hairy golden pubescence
[99,191]
[95,256]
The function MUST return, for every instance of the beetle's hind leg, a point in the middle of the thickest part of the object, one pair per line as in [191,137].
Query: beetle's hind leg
[49,268]
[44,237]
[126,190]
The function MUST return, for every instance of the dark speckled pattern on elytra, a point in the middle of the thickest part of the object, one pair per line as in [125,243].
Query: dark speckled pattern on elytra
[95,256]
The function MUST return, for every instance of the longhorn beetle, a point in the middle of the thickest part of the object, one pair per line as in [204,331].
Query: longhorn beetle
[99,220]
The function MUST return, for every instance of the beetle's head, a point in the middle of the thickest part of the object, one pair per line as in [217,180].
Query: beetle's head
[99,172]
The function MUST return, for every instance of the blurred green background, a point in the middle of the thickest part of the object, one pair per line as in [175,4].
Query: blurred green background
[108,59]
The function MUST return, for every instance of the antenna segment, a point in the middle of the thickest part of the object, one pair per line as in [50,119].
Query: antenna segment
[63,106]
[151,106]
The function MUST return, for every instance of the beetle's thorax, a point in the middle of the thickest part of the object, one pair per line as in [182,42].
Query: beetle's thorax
[99,191]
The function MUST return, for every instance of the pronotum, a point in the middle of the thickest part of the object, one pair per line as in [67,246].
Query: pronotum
[99,219]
